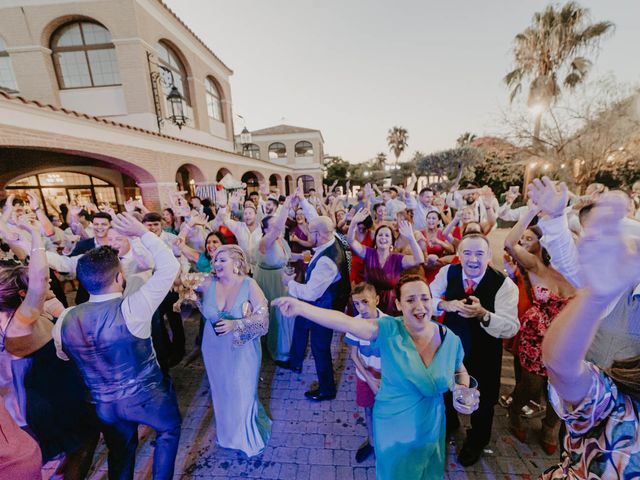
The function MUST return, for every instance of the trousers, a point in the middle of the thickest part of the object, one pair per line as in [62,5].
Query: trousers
[157,408]
[320,347]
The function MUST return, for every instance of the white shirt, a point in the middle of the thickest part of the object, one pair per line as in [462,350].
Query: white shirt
[420,212]
[558,241]
[504,321]
[508,214]
[139,307]
[247,240]
[457,201]
[324,274]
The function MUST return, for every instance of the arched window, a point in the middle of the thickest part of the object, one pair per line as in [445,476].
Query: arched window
[214,104]
[84,56]
[251,150]
[304,149]
[177,73]
[7,78]
[277,150]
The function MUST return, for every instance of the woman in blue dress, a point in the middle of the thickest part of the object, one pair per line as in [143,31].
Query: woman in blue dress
[419,361]
[236,316]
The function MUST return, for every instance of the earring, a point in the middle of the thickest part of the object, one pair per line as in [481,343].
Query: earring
[236,270]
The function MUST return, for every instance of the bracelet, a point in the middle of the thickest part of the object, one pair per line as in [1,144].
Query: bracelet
[38,248]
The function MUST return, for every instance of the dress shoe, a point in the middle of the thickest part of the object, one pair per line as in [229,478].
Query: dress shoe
[364,451]
[519,433]
[469,455]
[287,365]
[316,396]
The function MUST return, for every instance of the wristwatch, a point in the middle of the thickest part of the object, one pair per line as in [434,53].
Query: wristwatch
[486,319]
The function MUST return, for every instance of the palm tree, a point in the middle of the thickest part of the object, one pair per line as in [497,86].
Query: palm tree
[380,161]
[397,140]
[553,46]
[465,139]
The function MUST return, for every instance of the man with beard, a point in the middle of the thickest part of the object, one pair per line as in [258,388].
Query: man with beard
[480,307]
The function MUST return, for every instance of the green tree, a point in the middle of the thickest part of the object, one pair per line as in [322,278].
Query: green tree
[397,141]
[465,139]
[336,168]
[554,46]
[446,164]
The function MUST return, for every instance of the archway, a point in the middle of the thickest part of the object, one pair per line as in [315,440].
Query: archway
[275,183]
[307,182]
[187,176]
[253,180]
[221,173]
[288,185]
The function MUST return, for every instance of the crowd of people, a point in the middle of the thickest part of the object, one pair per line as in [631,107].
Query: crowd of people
[410,277]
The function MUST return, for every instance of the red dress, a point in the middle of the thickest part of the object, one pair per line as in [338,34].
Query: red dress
[20,457]
[434,249]
[384,278]
[357,263]
[535,322]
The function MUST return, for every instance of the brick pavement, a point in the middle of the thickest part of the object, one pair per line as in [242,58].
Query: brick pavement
[311,440]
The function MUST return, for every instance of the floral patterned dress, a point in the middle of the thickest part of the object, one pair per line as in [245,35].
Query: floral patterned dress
[534,325]
[603,433]
[384,278]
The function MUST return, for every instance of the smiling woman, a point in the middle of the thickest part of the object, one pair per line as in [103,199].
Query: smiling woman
[419,360]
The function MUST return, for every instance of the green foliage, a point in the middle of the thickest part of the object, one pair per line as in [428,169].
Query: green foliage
[446,164]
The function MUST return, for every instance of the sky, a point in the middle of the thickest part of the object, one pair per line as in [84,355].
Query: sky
[355,68]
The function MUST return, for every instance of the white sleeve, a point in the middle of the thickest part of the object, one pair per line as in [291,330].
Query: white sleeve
[558,241]
[504,321]
[410,201]
[508,214]
[323,275]
[142,256]
[309,210]
[139,307]
[61,263]
[438,287]
[56,333]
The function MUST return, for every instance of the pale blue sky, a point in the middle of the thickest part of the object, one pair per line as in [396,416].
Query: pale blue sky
[355,68]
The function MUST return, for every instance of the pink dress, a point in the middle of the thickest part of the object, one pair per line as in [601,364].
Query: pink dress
[534,324]
[384,278]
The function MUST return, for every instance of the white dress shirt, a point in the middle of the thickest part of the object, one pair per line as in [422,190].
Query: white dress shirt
[504,321]
[508,214]
[420,212]
[324,274]
[247,240]
[139,307]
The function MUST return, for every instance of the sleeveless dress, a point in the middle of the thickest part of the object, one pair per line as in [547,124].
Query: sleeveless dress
[241,421]
[408,413]
[384,278]
[268,274]
[535,322]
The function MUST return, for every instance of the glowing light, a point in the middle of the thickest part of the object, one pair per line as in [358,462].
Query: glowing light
[582,162]
[546,167]
[532,165]
[562,165]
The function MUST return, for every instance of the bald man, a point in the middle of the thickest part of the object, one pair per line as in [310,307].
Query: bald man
[327,286]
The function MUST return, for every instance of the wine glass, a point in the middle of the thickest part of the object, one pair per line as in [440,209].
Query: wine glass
[466,397]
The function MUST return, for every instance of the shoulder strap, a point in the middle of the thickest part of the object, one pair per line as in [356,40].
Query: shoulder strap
[443,332]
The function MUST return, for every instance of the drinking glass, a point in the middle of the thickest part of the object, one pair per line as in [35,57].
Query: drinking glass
[465,393]
[306,256]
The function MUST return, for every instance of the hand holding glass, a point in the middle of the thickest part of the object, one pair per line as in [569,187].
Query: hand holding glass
[466,397]
[289,270]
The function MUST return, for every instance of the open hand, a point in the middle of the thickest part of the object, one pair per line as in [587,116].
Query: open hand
[405,229]
[128,225]
[550,198]
[618,258]
[361,215]
[289,306]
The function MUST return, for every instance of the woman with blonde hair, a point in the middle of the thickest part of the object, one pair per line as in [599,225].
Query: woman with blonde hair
[237,315]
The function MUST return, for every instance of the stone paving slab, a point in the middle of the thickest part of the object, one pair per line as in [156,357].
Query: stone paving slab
[315,441]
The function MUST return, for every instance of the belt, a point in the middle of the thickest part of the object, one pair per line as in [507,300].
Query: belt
[270,268]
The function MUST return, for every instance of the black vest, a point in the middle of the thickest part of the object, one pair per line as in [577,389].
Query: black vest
[478,345]
[336,296]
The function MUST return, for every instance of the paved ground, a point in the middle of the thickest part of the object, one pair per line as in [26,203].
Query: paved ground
[315,441]
[312,440]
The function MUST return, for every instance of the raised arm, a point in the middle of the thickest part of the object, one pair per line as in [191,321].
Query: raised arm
[33,303]
[366,329]
[181,241]
[448,230]
[511,245]
[408,261]
[276,227]
[356,247]
[609,266]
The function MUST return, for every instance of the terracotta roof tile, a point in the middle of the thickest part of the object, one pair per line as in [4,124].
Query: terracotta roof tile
[17,98]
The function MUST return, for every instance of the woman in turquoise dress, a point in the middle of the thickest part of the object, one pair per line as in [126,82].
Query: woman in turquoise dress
[419,361]
[272,255]
[236,316]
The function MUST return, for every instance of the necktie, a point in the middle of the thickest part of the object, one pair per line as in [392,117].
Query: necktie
[471,285]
